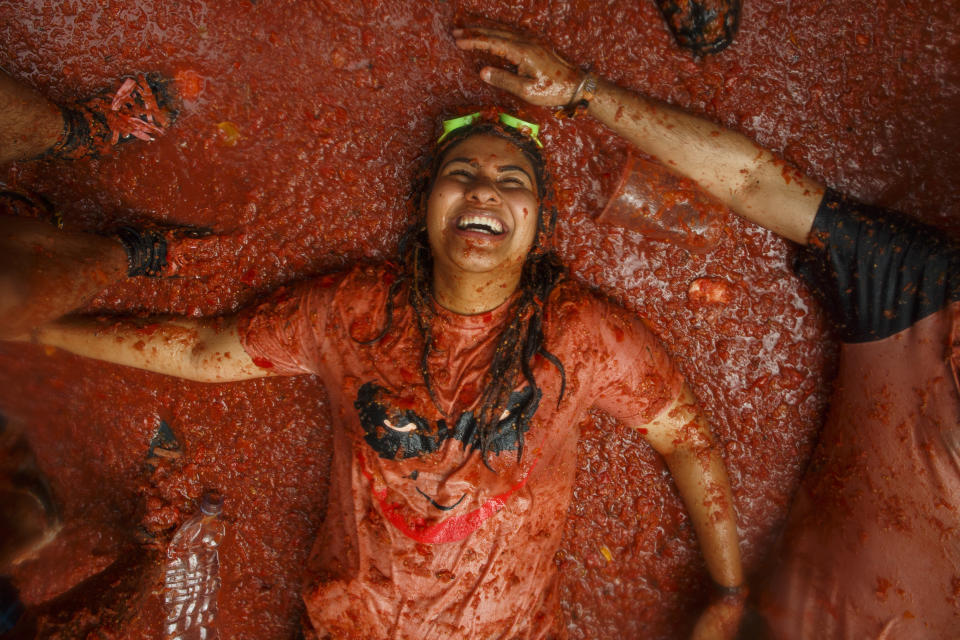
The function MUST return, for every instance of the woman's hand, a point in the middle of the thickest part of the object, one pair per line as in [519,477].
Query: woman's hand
[720,620]
[543,78]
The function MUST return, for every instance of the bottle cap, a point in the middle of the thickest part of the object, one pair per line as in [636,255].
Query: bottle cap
[212,503]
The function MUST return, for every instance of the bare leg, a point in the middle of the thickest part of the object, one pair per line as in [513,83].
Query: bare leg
[46,273]
[29,123]
[142,107]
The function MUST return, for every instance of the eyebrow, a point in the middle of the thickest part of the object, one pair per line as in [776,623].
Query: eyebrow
[501,169]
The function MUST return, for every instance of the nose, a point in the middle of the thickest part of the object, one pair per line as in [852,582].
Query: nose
[483,191]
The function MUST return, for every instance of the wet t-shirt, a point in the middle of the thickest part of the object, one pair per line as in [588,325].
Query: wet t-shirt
[423,538]
[872,544]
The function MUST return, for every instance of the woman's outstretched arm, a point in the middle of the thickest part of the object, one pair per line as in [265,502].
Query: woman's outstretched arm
[200,350]
[46,273]
[748,179]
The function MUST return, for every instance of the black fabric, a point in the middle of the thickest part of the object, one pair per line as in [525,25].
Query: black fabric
[75,132]
[146,251]
[703,27]
[10,606]
[877,271]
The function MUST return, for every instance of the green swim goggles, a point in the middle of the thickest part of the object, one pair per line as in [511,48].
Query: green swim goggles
[524,127]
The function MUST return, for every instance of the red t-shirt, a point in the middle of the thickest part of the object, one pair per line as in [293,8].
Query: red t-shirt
[422,539]
[871,548]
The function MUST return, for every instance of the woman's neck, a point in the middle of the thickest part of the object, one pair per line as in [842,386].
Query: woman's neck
[472,293]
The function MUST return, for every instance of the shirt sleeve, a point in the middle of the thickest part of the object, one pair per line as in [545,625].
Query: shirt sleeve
[286,334]
[633,377]
[876,271]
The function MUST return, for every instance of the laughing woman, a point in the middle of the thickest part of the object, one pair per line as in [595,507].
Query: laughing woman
[456,388]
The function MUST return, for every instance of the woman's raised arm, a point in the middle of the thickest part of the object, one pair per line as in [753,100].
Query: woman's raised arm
[745,177]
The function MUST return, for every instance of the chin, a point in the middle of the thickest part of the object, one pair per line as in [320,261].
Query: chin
[478,265]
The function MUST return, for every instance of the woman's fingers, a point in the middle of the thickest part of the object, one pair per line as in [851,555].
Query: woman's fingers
[542,77]
[499,33]
[505,80]
[497,46]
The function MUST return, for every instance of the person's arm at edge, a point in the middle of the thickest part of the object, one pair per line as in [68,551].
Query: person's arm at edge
[199,350]
[682,436]
[746,178]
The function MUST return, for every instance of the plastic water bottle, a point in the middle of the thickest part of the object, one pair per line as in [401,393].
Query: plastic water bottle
[193,575]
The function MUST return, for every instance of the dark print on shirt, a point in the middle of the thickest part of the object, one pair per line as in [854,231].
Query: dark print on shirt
[399,434]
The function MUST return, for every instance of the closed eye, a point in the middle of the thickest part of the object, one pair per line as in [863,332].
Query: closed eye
[404,428]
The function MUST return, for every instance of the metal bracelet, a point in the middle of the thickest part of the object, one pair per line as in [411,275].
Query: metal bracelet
[582,96]
[584,90]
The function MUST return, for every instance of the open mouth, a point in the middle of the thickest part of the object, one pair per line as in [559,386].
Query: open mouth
[480,224]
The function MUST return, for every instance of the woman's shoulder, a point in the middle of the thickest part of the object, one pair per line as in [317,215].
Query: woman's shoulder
[360,289]
[369,276]
[573,302]
[364,280]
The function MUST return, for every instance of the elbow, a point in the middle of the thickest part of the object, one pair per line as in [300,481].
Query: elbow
[210,366]
[201,365]
[745,192]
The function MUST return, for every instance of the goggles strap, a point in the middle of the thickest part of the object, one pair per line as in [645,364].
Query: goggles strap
[524,127]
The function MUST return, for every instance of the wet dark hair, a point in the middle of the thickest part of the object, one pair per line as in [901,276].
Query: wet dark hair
[522,338]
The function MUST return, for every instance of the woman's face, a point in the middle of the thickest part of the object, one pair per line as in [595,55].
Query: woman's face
[482,211]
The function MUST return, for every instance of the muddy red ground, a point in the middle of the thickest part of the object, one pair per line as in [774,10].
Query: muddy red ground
[329,105]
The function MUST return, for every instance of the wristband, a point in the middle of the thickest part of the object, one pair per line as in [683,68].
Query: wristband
[74,139]
[723,591]
[582,95]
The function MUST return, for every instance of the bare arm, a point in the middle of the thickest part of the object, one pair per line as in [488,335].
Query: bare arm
[681,435]
[46,272]
[748,179]
[205,351]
